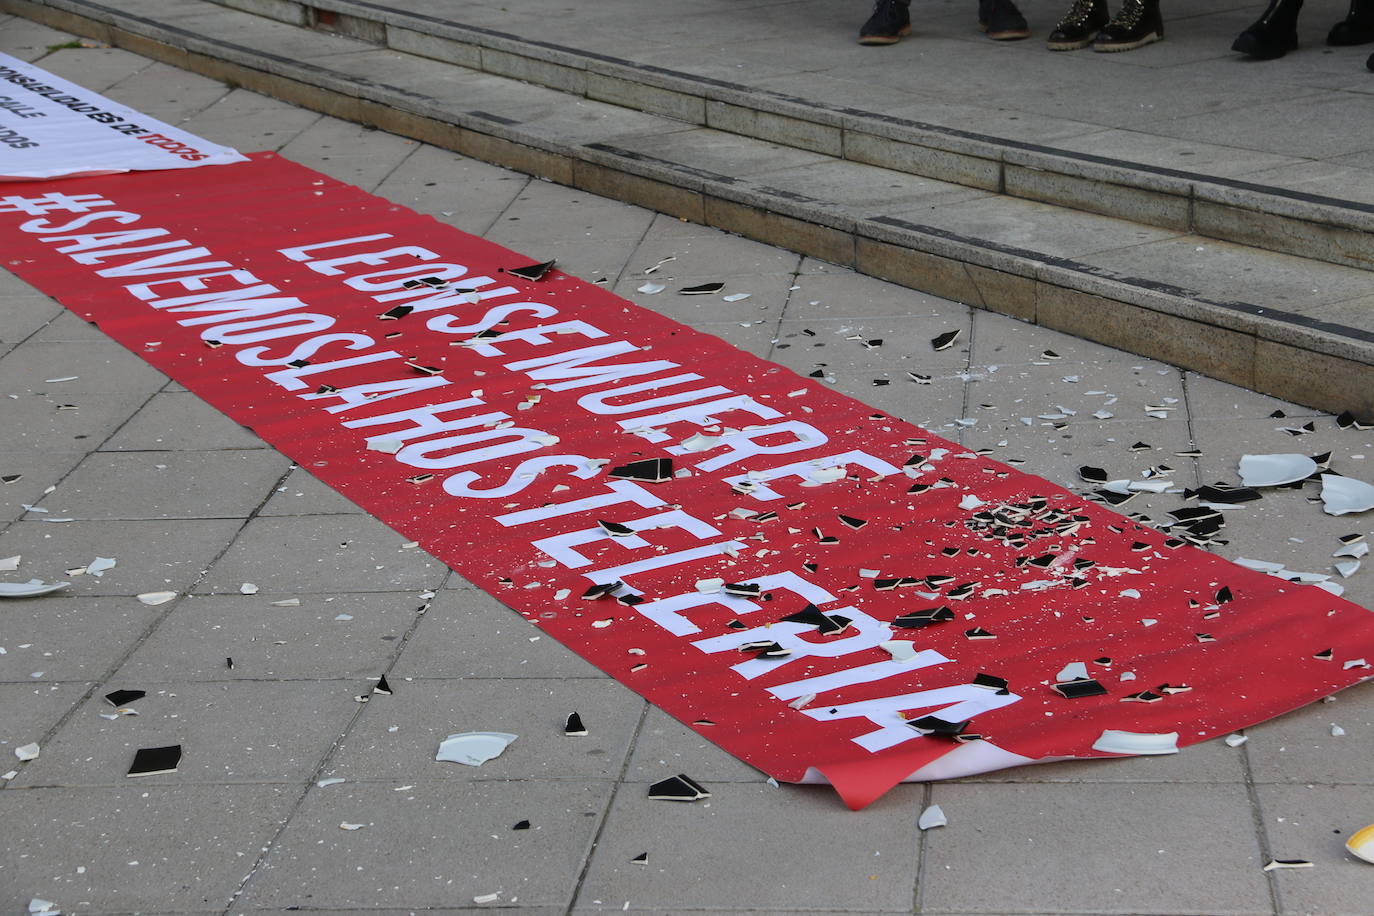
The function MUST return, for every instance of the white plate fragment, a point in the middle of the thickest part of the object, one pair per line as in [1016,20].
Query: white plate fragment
[650,287]
[1073,671]
[10,564]
[1347,568]
[99,565]
[1361,844]
[1344,495]
[40,907]
[1236,740]
[1113,741]
[473,748]
[932,817]
[1275,470]
[153,599]
[901,650]
[27,752]
[29,589]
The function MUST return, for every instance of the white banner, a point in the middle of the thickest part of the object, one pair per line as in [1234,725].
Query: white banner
[50,128]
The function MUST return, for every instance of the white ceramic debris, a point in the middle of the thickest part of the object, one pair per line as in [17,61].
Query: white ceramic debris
[99,565]
[650,288]
[932,817]
[1347,568]
[1275,470]
[1073,671]
[156,598]
[473,748]
[40,907]
[901,650]
[27,752]
[1113,741]
[9,564]
[1361,844]
[1344,495]
[1236,740]
[30,589]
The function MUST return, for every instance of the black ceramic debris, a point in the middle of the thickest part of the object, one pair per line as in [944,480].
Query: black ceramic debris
[923,618]
[521,825]
[1224,594]
[641,859]
[824,623]
[649,470]
[153,761]
[615,529]
[934,725]
[1092,474]
[978,633]
[574,728]
[119,698]
[531,271]
[600,591]
[678,788]
[1077,689]
[704,289]
[382,687]
[851,522]
[742,589]
[399,311]
[945,340]
[991,682]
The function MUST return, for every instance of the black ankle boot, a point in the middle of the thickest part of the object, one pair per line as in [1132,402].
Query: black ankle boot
[891,20]
[1274,34]
[1079,26]
[1137,23]
[1357,28]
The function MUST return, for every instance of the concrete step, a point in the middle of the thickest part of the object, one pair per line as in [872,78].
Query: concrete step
[1301,327]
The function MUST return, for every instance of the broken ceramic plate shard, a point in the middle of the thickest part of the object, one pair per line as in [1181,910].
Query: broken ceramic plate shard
[641,859]
[615,529]
[1115,741]
[702,290]
[678,788]
[27,752]
[118,698]
[531,271]
[1344,495]
[901,650]
[1275,470]
[945,340]
[382,687]
[650,288]
[41,907]
[473,748]
[1077,689]
[30,589]
[153,599]
[1275,864]
[10,564]
[649,470]
[100,565]
[154,761]
[574,728]
[1361,844]
[932,817]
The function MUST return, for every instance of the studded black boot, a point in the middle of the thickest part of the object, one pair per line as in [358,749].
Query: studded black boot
[1079,26]
[891,20]
[1137,24]
[1357,28]
[1274,34]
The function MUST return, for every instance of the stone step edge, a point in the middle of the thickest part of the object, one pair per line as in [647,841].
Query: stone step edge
[1330,367]
[1257,215]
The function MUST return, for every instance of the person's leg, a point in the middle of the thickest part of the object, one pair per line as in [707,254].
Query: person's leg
[1079,26]
[891,20]
[1274,34]
[1001,20]
[1137,23]
[1357,28]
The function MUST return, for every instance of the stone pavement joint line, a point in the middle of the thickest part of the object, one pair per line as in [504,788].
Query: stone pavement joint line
[188,501]
[1068,243]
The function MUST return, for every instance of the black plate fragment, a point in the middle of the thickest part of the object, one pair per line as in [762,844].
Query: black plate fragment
[945,340]
[649,470]
[530,271]
[117,698]
[574,728]
[678,788]
[152,761]
[1077,689]
[704,289]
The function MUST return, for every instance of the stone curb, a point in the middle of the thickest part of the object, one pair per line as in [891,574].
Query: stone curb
[1326,366]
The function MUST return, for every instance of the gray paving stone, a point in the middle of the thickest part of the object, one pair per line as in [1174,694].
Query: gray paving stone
[229,733]
[665,746]
[301,493]
[346,553]
[250,122]
[1209,399]
[425,712]
[348,152]
[543,210]
[151,555]
[69,326]
[461,192]
[434,844]
[1299,747]
[142,485]
[267,642]
[181,421]
[689,842]
[132,841]
[1202,858]
[29,711]
[94,68]
[99,367]
[29,41]
[70,638]
[167,93]
[40,469]
[23,314]
[469,634]
[1313,823]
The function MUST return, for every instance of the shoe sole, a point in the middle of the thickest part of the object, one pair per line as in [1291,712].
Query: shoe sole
[1068,45]
[1009,35]
[884,39]
[1128,46]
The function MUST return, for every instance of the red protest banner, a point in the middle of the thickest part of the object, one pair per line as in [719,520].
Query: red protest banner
[825,591]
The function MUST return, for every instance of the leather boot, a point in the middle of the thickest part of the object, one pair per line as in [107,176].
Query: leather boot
[1274,34]
[1079,26]
[1357,28]
[1137,23]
